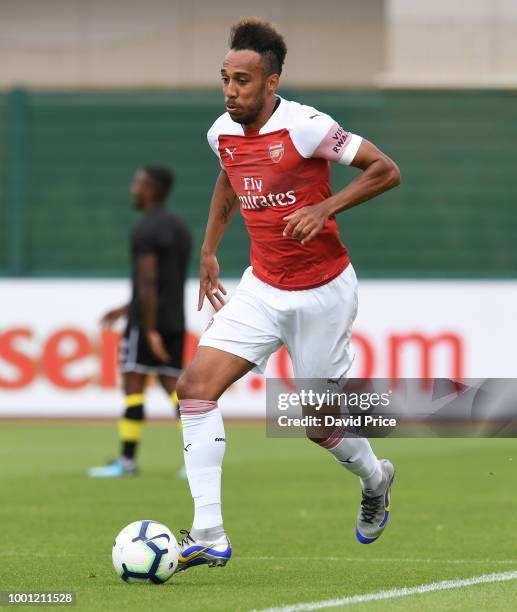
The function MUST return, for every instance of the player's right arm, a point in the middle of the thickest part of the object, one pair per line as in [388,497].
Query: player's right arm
[109,319]
[222,210]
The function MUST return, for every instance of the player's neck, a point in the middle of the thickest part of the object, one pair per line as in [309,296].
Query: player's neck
[151,206]
[270,107]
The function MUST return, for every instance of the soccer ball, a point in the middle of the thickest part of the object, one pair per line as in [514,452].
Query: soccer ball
[145,552]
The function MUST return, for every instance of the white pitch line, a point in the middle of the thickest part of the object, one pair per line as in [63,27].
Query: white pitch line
[394,593]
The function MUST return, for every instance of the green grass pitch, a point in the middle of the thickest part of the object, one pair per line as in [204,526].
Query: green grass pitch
[289,510]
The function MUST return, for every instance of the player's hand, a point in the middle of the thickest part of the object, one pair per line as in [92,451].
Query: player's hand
[111,317]
[305,223]
[155,342]
[209,285]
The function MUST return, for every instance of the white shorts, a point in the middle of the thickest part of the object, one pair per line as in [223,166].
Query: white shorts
[315,325]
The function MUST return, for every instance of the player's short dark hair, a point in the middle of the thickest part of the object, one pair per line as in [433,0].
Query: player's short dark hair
[162,177]
[260,36]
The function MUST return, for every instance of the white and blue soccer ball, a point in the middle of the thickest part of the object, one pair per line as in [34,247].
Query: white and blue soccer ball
[145,552]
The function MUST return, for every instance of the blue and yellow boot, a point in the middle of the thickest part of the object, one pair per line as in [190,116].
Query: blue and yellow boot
[375,507]
[210,547]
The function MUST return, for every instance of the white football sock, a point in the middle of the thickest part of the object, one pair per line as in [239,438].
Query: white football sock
[204,444]
[357,456]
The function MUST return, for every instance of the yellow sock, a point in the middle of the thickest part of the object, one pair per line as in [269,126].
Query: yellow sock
[131,424]
[130,430]
[175,403]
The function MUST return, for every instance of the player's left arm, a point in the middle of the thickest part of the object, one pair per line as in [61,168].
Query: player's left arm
[379,174]
[147,292]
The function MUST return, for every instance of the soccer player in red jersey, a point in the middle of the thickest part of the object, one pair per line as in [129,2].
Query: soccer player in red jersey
[300,289]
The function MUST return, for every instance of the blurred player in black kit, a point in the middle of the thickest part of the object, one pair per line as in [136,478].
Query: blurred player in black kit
[154,336]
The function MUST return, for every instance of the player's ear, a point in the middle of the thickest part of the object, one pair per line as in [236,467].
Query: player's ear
[273,82]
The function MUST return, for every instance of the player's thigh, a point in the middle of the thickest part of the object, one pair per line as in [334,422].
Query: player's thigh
[210,373]
[318,338]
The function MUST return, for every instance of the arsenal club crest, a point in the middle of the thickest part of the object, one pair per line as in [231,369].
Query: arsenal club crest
[276,151]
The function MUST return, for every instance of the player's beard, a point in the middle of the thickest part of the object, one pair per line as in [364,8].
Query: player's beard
[253,113]
[137,203]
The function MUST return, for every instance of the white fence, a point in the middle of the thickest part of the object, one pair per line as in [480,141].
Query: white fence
[55,360]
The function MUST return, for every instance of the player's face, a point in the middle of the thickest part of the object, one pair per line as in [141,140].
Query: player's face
[246,85]
[142,190]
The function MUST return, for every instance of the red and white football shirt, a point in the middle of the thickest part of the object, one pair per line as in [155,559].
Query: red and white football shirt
[282,167]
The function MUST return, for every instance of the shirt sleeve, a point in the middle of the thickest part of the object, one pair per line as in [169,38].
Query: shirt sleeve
[213,140]
[316,134]
[145,243]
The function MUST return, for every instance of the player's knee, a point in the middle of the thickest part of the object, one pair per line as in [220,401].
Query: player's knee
[182,385]
[190,386]
[317,435]
[314,438]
